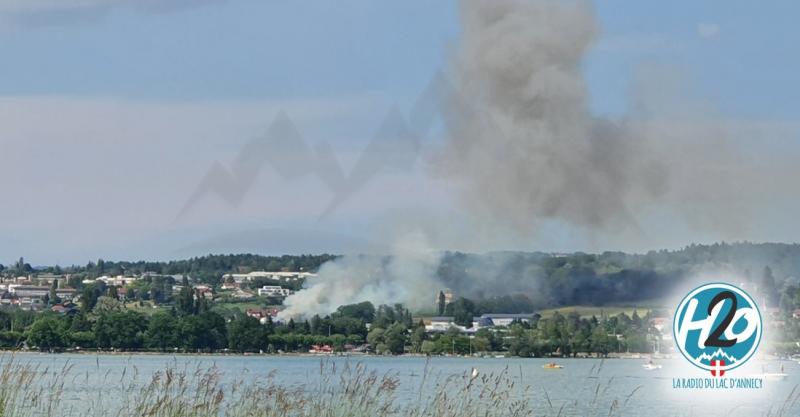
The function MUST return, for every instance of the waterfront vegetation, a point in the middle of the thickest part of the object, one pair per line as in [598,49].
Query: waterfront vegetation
[349,390]
[194,326]
[335,389]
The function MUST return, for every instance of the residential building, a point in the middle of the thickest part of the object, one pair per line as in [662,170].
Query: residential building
[119,280]
[66,294]
[274,291]
[495,319]
[278,276]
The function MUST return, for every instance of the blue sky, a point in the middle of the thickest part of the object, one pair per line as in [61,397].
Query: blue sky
[249,49]
[111,112]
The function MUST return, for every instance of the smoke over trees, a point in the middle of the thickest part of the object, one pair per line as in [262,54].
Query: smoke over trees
[522,148]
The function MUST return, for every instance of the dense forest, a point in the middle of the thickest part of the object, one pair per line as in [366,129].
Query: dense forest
[613,277]
[207,269]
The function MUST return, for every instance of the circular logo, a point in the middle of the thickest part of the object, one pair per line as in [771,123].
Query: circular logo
[717,327]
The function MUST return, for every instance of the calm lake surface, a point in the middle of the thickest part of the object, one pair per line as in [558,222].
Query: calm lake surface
[585,387]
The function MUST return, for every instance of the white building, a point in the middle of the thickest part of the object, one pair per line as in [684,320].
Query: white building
[119,280]
[274,291]
[278,276]
[28,291]
[38,292]
[494,319]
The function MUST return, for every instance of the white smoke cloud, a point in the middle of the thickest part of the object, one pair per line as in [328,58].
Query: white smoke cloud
[406,276]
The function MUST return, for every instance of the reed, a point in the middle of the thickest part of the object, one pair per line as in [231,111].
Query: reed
[349,390]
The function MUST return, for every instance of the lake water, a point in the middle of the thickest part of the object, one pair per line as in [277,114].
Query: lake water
[584,387]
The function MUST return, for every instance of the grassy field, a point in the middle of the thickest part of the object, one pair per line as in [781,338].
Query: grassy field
[220,307]
[241,306]
[589,311]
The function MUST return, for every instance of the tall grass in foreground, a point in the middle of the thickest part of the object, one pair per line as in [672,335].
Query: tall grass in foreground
[347,391]
[350,390]
[27,390]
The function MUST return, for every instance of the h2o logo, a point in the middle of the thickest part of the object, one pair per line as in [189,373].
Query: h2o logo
[717,327]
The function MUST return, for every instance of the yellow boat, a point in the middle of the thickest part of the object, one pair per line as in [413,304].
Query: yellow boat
[552,366]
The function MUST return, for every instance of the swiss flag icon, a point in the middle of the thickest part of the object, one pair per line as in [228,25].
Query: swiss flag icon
[716,367]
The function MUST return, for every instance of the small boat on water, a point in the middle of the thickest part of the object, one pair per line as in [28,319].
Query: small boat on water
[552,365]
[650,366]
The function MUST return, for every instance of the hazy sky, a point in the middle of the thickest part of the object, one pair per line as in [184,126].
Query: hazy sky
[113,111]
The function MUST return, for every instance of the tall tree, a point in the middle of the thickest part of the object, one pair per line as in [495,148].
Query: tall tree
[53,295]
[186,304]
[768,287]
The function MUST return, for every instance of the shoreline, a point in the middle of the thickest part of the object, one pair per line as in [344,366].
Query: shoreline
[4,352]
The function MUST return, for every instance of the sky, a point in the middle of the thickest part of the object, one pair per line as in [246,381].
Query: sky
[113,112]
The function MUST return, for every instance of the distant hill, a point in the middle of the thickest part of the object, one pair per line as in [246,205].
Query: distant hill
[612,277]
[545,280]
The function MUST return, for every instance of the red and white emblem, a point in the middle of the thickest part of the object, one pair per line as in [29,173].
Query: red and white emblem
[717,367]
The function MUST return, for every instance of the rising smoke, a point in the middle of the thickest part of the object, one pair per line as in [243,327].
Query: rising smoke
[528,148]
[406,276]
[522,147]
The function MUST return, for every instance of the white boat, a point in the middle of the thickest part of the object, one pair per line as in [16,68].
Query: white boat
[651,366]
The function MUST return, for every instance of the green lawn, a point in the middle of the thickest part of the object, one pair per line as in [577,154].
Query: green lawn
[588,311]
[241,306]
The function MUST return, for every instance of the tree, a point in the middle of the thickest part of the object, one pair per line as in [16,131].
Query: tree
[22,268]
[246,334]
[417,339]
[120,330]
[442,303]
[47,333]
[75,282]
[112,292]
[768,288]
[161,332]
[395,338]
[186,303]
[601,343]
[375,336]
[89,296]
[53,296]
[364,311]
[462,310]
[205,331]
[428,347]
[107,305]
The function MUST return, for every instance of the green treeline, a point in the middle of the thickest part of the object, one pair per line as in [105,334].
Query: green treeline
[207,269]
[194,326]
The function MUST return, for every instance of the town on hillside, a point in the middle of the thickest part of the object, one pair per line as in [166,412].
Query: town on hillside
[233,303]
